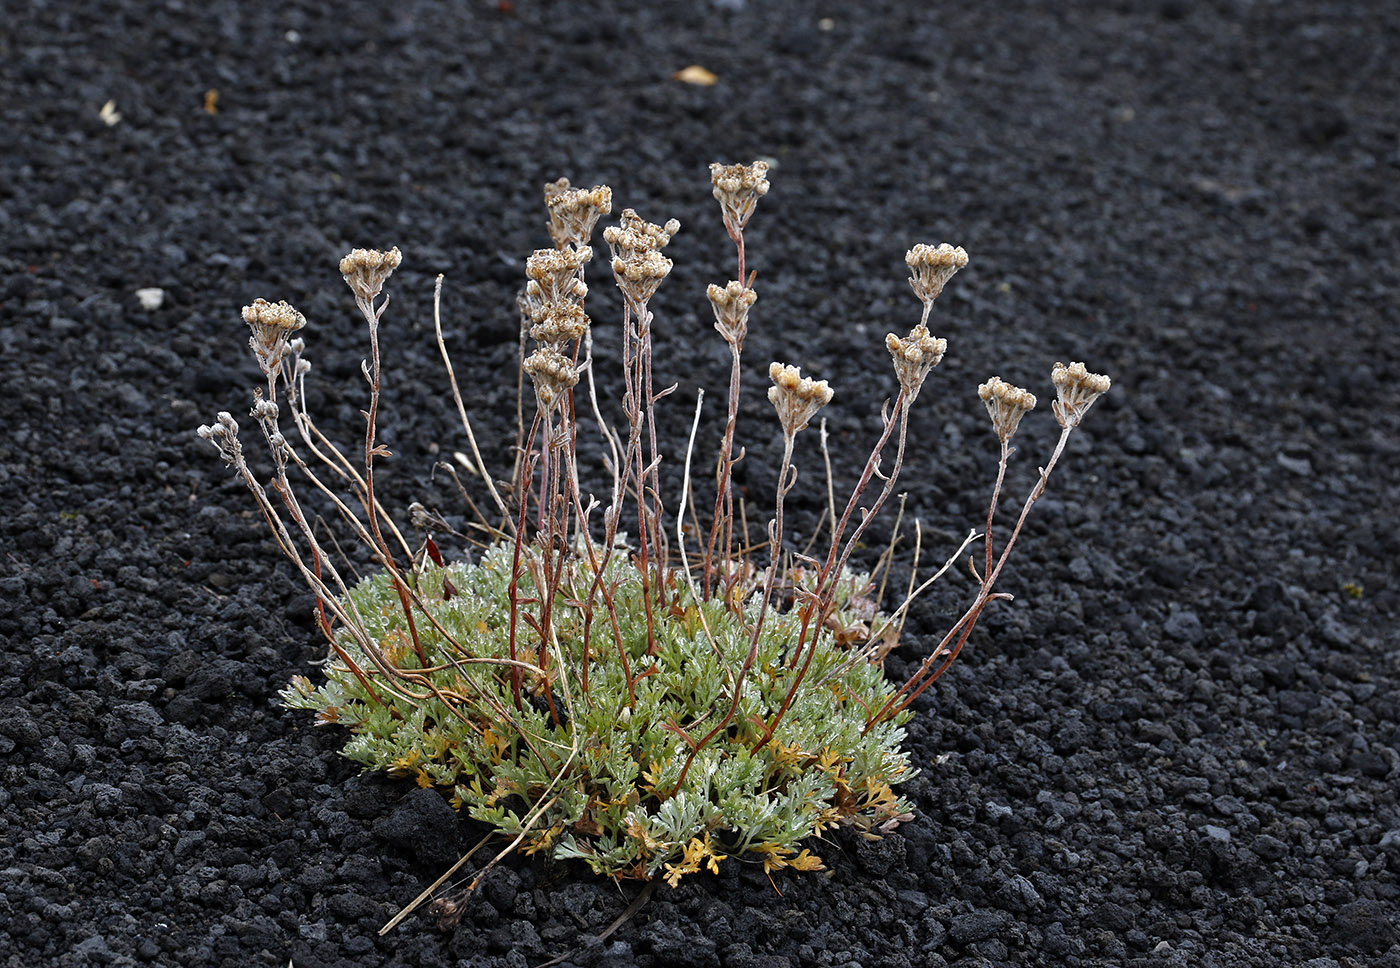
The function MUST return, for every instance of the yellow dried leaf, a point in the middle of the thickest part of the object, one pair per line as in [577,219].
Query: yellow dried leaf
[695,74]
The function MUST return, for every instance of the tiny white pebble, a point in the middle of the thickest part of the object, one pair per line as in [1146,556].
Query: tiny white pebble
[150,299]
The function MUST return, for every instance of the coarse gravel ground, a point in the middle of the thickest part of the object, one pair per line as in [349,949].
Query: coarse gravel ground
[1179,746]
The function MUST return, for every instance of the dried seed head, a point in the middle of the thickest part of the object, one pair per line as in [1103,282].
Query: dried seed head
[1076,389]
[738,189]
[795,396]
[1006,405]
[731,305]
[557,187]
[639,276]
[636,236]
[552,373]
[365,270]
[914,356]
[930,268]
[272,325]
[223,434]
[272,322]
[573,212]
[556,324]
[554,274]
[264,410]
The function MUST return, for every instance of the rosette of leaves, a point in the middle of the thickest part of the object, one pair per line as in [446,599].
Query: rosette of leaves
[600,760]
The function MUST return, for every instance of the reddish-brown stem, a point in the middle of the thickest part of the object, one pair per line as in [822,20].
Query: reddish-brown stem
[785,472]
[599,585]
[372,314]
[831,570]
[724,495]
[823,598]
[543,500]
[992,507]
[636,414]
[923,678]
[545,536]
[894,705]
[723,519]
[736,232]
[515,562]
[658,535]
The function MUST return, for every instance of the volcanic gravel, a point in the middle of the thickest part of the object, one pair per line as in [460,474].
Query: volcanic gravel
[1178,746]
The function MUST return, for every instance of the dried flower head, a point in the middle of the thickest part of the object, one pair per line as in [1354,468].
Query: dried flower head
[731,305]
[1076,390]
[573,212]
[263,410]
[636,236]
[930,268]
[795,396]
[738,189]
[639,276]
[914,356]
[552,374]
[555,274]
[272,325]
[557,187]
[1006,405]
[366,270]
[223,434]
[556,324]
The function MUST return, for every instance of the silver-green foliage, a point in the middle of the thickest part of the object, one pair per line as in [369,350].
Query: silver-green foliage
[602,769]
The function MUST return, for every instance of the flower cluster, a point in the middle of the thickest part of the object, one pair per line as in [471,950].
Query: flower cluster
[637,263]
[914,356]
[931,266]
[738,189]
[573,212]
[273,325]
[1076,389]
[366,270]
[731,305]
[1006,405]
[796,397]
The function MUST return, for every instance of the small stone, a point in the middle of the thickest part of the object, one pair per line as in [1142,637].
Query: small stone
[1114,916]
[1184,625]
[1216,833]
[1019,894]
[976,926]
[150,299]
[1268,847]
[1365,925]
[20,726]
[425,826]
